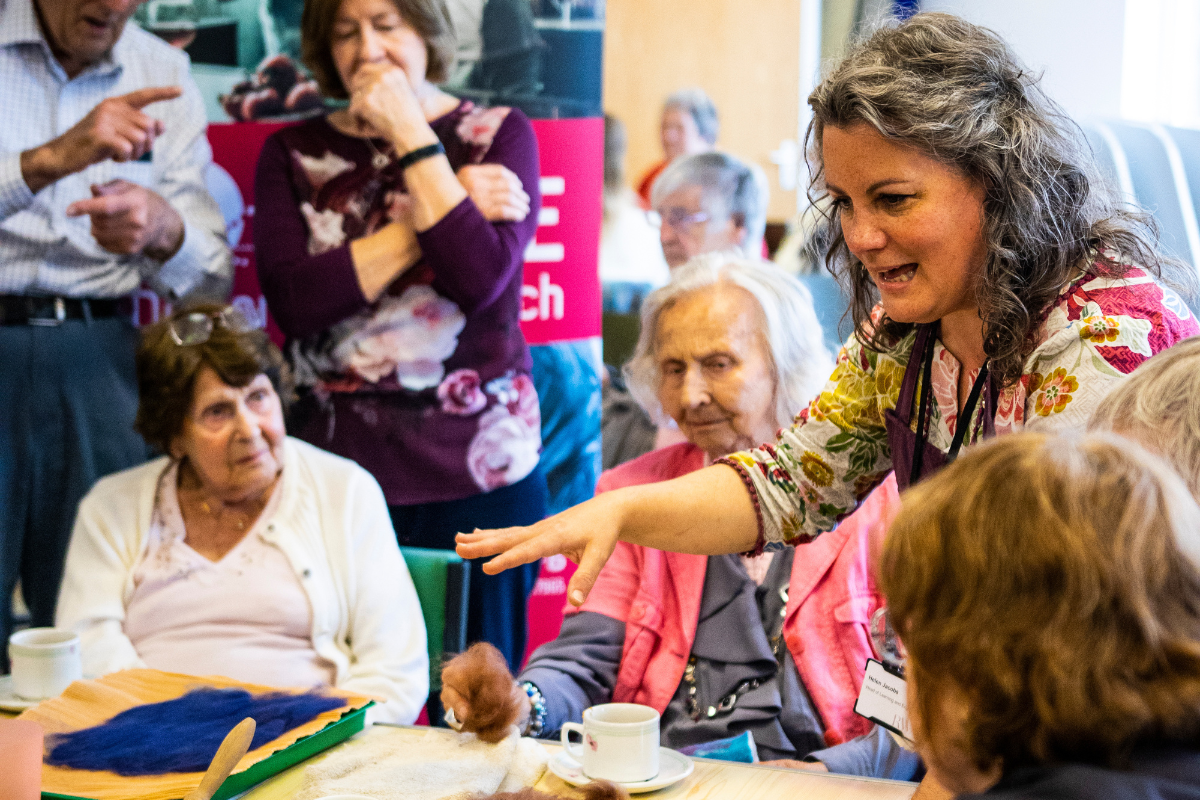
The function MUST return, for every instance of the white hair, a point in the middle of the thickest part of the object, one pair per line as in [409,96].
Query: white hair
[1158,405]
[731,187]
[800,361]
[695,101]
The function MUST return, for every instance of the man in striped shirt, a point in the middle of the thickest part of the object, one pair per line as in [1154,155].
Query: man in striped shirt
[102,161]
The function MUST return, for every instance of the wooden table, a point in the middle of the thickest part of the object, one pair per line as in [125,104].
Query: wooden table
[711,780]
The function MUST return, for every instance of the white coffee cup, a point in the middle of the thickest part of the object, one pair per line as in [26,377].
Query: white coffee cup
[620,742]
[44,662]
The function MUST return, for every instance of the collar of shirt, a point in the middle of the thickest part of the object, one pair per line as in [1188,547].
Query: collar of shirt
[19,25]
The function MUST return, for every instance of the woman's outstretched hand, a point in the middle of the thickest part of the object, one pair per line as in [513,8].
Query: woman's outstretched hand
[586,534]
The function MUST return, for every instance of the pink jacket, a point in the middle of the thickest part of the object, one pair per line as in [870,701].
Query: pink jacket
[831,597]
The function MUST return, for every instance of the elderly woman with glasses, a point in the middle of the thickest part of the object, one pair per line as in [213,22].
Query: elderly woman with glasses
[241,552]
[772,645]
[709,202]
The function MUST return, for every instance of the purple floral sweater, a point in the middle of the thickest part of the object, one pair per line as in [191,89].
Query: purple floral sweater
[428,388]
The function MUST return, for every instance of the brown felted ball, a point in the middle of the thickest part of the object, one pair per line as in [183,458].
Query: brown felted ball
[481,676]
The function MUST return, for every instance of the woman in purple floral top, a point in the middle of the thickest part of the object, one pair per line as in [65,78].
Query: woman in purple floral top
[400,292]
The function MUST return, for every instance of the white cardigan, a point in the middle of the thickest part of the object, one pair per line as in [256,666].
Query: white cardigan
[332,524]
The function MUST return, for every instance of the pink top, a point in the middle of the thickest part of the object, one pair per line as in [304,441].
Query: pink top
[831,598]
[245,617]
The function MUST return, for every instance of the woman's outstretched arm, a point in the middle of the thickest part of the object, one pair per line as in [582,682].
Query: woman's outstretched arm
[708,512]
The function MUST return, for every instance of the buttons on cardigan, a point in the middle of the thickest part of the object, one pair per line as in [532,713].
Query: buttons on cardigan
[306,573]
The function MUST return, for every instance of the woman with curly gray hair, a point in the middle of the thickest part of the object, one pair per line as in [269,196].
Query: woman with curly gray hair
[997,286]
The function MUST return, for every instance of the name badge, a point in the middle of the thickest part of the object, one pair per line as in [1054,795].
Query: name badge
[883,699]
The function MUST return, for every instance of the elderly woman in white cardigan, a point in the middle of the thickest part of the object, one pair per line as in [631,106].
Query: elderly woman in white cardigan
[243,552]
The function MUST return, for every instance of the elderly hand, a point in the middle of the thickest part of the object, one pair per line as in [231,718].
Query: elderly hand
[481,691]
[587,534]
[496,191]
[128,219]
[382,98]
[116,128]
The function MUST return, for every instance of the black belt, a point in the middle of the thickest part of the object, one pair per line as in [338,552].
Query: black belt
[17,309]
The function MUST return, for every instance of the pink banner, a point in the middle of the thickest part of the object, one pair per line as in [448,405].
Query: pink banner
[561,296]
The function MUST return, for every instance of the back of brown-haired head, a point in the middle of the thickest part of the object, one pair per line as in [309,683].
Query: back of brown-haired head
[1052,584]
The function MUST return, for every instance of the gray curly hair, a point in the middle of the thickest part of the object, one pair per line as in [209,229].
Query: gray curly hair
[954,91]
[799,358]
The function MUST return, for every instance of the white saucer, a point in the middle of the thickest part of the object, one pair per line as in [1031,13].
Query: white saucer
[9,701]
[672,768]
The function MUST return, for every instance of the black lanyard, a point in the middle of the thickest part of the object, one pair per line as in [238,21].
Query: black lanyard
[964,417]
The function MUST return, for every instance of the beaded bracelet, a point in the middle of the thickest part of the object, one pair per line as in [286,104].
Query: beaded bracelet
[537,713]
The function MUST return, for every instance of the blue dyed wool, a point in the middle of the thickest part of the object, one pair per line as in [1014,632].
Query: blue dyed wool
[182,735]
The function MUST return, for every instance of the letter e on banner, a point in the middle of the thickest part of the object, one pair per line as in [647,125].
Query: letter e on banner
[560,299]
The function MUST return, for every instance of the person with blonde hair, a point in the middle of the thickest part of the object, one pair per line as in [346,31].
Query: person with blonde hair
[1159,406]
[1052,623]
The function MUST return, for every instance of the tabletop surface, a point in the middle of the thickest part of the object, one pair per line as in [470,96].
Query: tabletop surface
[711,780]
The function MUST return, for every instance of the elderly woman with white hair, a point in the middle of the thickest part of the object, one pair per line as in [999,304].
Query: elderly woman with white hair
[710,202]
[731,350]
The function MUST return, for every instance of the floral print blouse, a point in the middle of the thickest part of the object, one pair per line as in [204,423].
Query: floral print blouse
[428,387]
[836,452]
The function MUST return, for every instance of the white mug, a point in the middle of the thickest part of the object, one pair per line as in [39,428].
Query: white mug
[620,742]
[44,662]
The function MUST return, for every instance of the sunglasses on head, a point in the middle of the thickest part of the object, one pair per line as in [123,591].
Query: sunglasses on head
[196,327]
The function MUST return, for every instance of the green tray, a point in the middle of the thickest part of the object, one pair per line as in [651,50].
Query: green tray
[349,724]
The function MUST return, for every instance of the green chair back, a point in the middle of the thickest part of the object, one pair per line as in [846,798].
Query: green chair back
[619,334]
[441,578]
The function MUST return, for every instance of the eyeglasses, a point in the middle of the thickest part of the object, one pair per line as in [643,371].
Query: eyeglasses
[886,643]
[678,218]
[197,327]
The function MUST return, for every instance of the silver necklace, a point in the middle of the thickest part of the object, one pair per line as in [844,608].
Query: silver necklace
[380,161]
